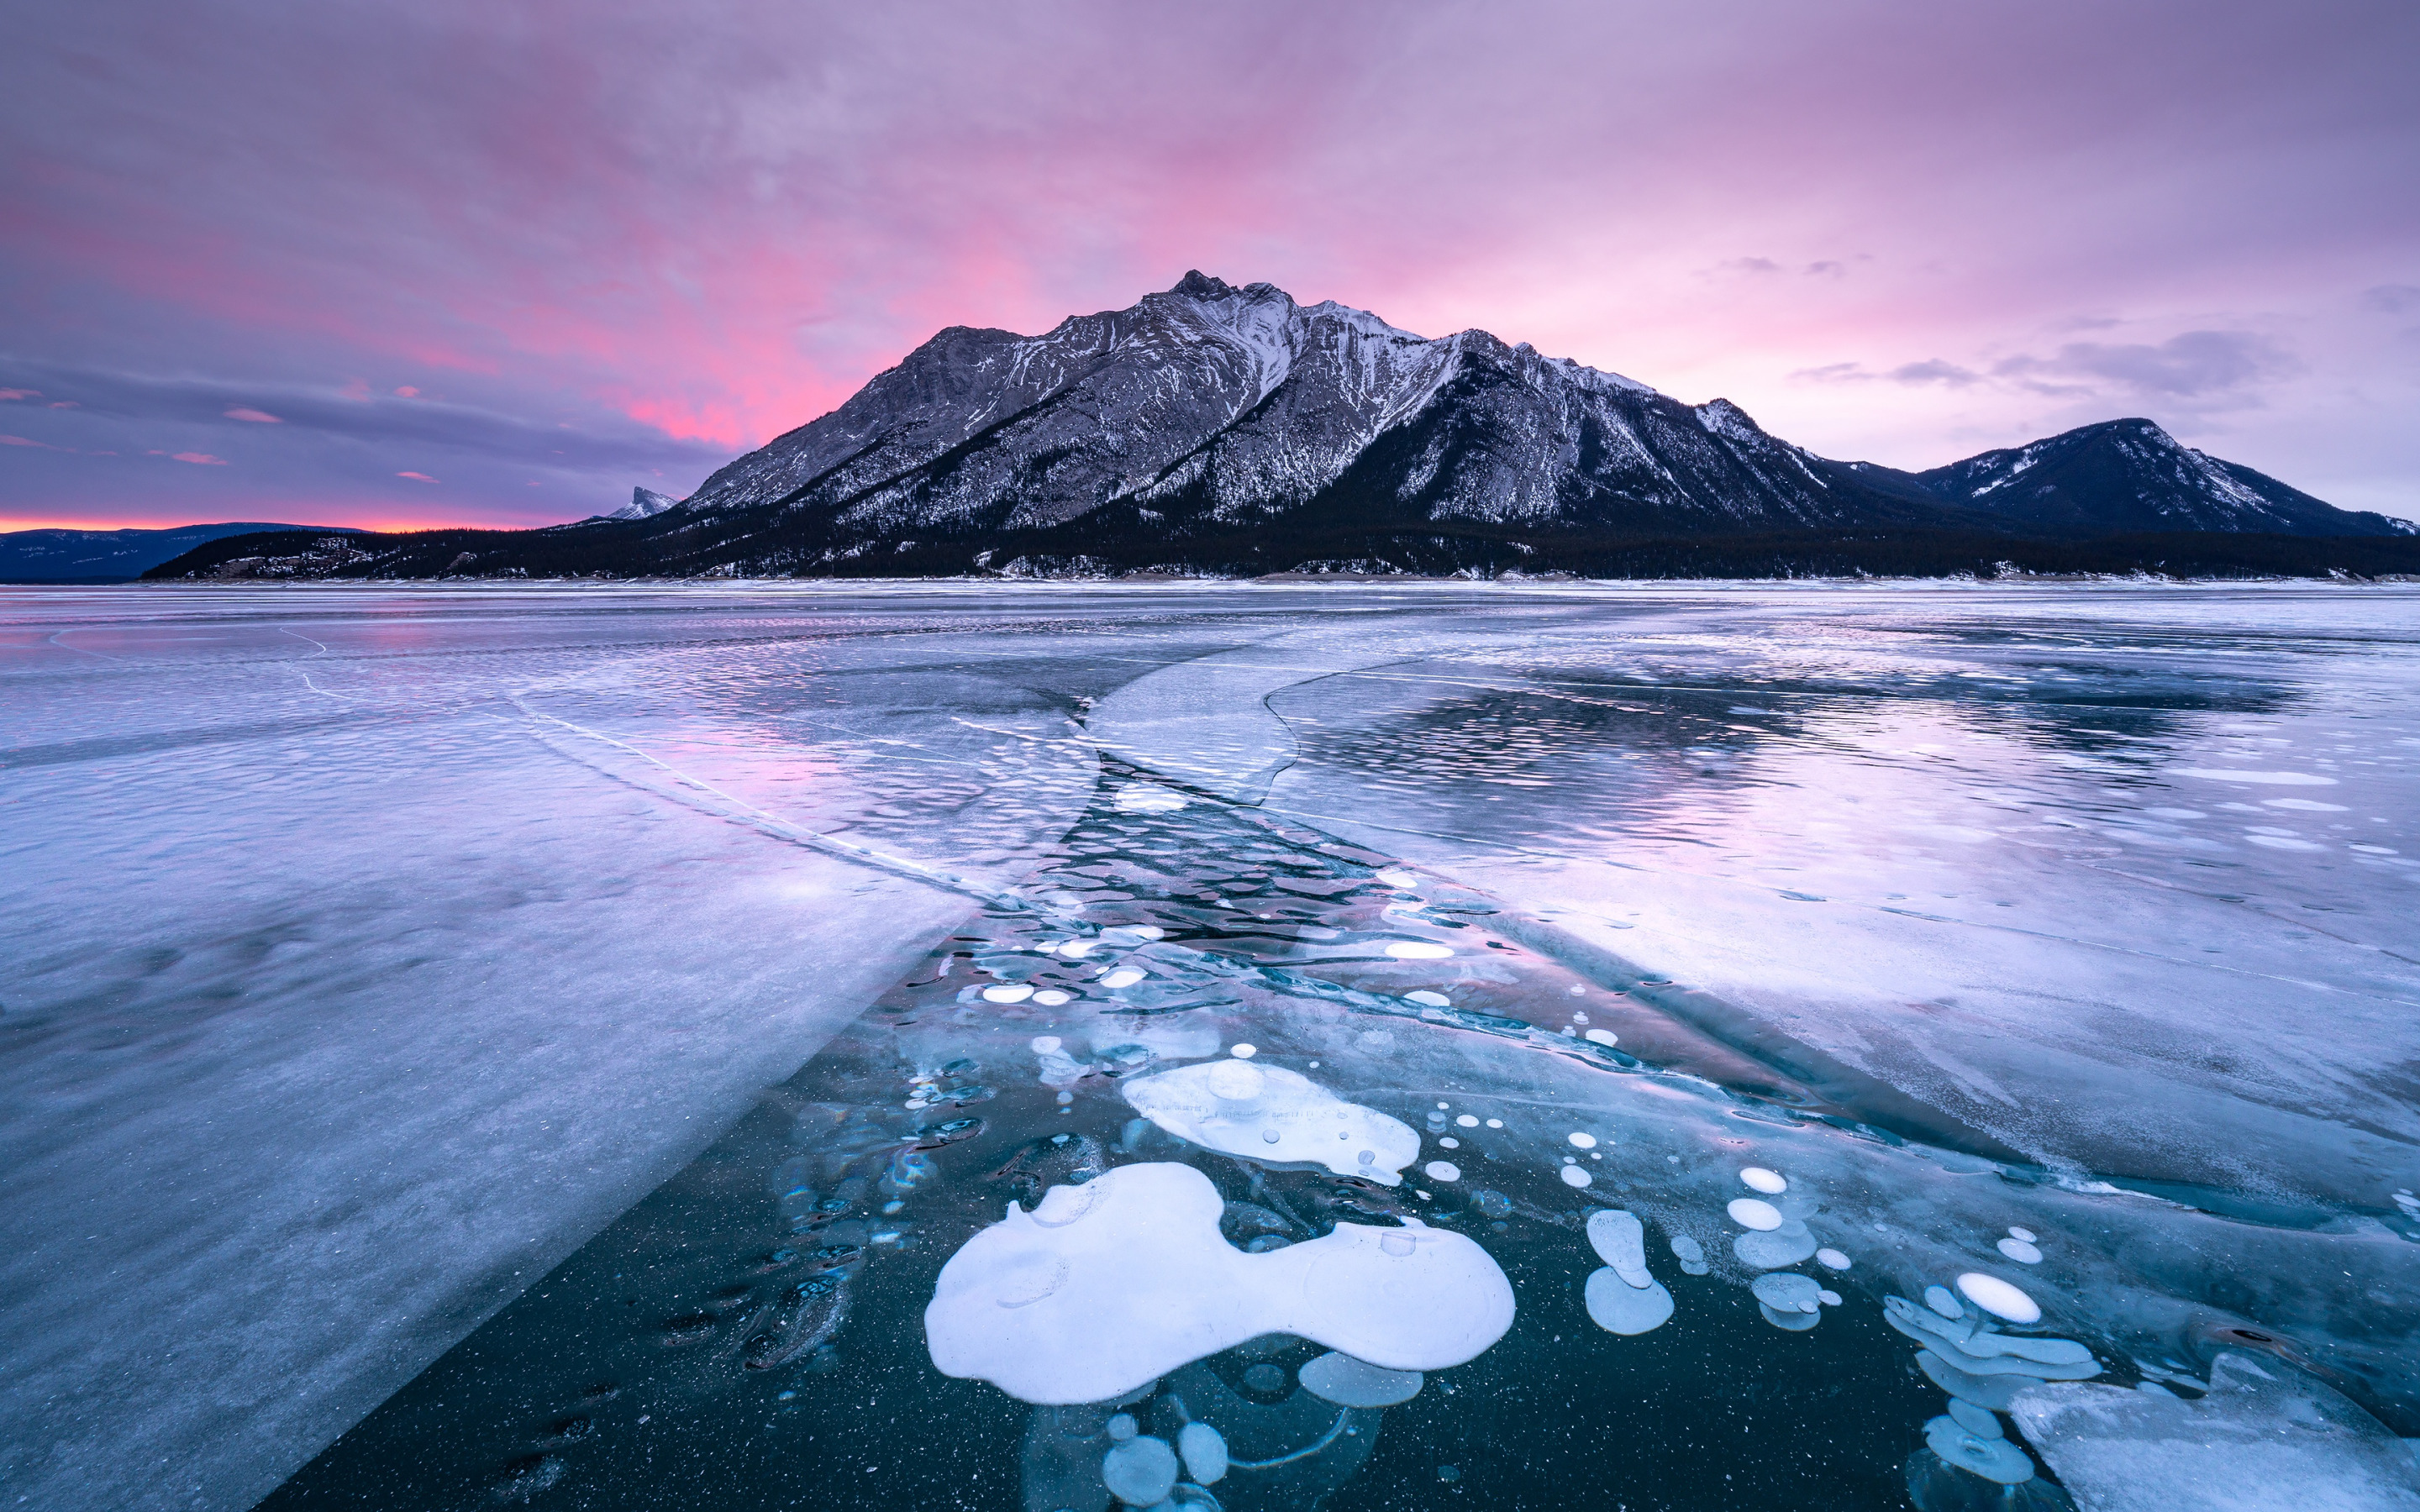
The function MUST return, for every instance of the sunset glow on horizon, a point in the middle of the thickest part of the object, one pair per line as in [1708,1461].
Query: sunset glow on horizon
[457,265]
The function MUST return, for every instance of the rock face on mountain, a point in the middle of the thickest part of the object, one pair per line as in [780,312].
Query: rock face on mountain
[645,504]
[1220,429]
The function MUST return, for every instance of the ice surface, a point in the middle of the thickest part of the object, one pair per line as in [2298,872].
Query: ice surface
[2266,1439]
[1109,1285]
[1972,809]
[369,952]
[372,949]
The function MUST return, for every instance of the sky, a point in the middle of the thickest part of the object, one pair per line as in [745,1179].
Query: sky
[493,263]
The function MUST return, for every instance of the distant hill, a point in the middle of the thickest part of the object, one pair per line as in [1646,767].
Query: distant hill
[57,556]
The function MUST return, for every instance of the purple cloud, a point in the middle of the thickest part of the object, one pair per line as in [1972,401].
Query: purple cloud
[2198,365]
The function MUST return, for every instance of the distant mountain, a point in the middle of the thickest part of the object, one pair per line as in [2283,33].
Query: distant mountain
[1226,431]
[112,556]
[2131,475]
[645,504]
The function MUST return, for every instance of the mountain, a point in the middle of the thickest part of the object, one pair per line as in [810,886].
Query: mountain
[1229,430]
[2131,475]
[645,504]
[1212,413]
[111,556]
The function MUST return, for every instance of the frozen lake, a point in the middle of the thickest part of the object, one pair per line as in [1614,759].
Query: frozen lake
[1810,1047]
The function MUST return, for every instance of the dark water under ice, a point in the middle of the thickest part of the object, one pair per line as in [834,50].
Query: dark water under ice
[2059,938]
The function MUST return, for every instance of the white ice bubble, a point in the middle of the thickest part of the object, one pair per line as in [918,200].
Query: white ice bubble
[2025,1234]
[1398,879]
[1141,1472]
[1046,1044]
[1751,1212]
[1467,1121]
[1828,1296]
[1940,1300]
[1450,1143]
[1579,991]
[1429,999]
[1760,1180]
[1419,950]
[1573,1175]
[1495,1123]
[1243,1052]
[1980,1421]
[2237,775]
[1078,949]
[1993,1460]
[1439,1170]
[1234,1106]
[1582,1141]
[1770,1251]
[1787,1292]
[1603,1037]
[2304,805]
[1007,991]
[1618,1308]
[1122,977]
[1347,1381]
[1050,998]
[1998,1298]
[1620,1242]
[2021,1252]
[1121,1281]
[1204,1450]
[1831,1259]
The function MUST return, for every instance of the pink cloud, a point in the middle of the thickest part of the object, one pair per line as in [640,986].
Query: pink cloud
[416,477]
[407,392]
[20,393]
[258,417]
[201,459]
[22,440]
